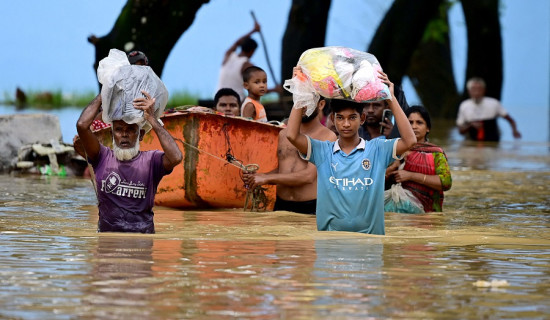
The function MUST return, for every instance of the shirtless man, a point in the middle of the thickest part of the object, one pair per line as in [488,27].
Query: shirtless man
[295,178]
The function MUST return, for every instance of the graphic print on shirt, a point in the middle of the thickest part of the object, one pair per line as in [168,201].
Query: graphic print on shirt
[366,164]
[351,184]
[114,184]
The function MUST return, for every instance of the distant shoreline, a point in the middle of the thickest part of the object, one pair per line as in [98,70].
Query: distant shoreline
[57,99]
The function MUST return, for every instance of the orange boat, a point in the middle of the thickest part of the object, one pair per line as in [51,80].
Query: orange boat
[206,179]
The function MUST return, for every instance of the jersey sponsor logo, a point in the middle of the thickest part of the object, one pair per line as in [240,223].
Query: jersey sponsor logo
[113,184]
[351,184]
[366,164]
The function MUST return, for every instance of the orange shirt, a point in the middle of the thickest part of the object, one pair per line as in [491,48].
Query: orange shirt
[258,107]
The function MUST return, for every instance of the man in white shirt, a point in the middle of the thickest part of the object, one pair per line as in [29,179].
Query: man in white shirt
[478,115]
[231,73]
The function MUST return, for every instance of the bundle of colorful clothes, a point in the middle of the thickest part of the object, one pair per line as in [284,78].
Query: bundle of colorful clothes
[337,73]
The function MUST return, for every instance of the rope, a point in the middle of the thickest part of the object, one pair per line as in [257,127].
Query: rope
[233,163]
[256,198]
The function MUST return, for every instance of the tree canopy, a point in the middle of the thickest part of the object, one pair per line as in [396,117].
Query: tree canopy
[412,40]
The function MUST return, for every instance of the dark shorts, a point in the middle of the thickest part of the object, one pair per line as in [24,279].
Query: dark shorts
[308,207]
[124,226]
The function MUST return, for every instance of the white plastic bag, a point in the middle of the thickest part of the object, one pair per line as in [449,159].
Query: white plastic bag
[398,199]
[337,73]
[122,83]
[303,94]
[108,65]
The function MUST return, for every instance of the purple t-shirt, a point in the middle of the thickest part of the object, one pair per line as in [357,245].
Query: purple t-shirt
[126,190]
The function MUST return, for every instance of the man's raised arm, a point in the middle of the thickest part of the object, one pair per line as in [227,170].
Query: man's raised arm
[172,154]
[88,139]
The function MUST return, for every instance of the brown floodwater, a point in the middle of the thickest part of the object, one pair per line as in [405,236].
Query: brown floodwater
[487,256]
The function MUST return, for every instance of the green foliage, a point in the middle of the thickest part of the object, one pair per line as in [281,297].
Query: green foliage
[181,98]
[56,99]
[49,99]
[78,99]
[438,28]
[8,100]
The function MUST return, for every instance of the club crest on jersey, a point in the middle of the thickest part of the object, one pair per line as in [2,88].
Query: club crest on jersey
[366,164]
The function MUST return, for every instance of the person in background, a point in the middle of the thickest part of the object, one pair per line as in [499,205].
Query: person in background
[126,178]
[138,58]
[424,170]
[373,123]
[477,116]
[228,102]
[295,178]
[350,171]
[255,82]
[234,64]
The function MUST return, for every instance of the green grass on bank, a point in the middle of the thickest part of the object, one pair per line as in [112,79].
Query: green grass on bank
[57,99]
[47,100]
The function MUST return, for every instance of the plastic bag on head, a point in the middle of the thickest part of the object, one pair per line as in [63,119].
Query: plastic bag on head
[122,83]
[108,65]
[337,73]
[303,94]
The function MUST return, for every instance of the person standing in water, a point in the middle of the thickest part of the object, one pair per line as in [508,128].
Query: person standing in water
[350,171]
[425,169]
[295,178]
[126,178]
[477,116]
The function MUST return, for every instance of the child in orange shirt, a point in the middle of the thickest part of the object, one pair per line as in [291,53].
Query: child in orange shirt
[255,82]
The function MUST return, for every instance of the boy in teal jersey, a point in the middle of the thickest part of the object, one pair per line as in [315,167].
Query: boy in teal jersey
[350,171]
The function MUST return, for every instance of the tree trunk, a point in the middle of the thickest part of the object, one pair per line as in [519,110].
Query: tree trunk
[431,69]
[399,34]
[305,29]
[484,44]
[151,26]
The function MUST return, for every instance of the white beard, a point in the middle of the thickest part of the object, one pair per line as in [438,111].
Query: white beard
[125,154]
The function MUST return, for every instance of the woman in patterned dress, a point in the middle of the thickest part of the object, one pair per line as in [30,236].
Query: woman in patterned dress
[425,170]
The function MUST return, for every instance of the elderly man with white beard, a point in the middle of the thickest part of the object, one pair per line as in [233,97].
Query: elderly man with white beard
[126,178]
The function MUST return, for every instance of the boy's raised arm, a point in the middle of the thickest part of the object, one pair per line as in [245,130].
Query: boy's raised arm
[295,121]
[293,131]
[408,139]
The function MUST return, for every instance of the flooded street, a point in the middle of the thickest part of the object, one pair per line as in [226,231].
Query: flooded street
[486,256]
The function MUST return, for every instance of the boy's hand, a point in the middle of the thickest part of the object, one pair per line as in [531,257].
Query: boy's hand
[298,73]
[296,70]
[384,77]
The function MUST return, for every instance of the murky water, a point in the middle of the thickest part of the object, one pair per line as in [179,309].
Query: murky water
[487,256]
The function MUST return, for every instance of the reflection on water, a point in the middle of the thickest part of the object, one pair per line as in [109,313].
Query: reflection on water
[234,264]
